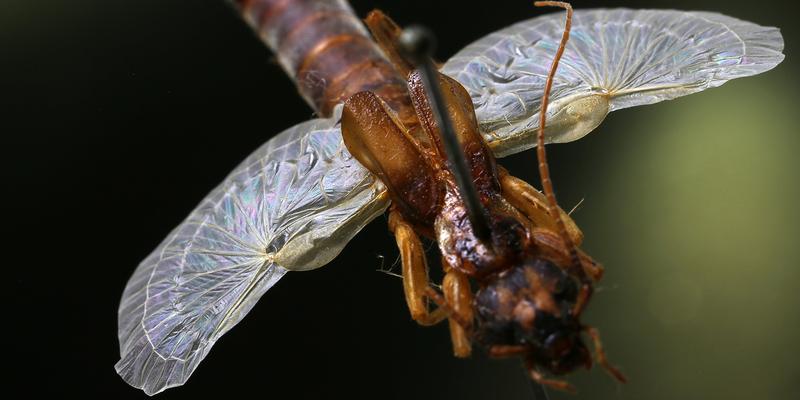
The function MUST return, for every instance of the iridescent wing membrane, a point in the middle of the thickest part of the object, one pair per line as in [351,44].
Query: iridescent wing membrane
[291,205]
[296,201]
[615,58]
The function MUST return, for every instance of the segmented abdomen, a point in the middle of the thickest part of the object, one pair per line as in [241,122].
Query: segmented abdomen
[324,47]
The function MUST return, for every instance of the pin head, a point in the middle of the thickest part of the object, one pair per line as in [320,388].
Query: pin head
[417,42]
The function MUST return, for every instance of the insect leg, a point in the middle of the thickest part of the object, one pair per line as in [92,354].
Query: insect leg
[601,355]
[505,351]
[553,383]
[458,295]
[533,204]
[415,272]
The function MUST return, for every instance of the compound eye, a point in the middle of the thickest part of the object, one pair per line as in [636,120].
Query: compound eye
[558,345]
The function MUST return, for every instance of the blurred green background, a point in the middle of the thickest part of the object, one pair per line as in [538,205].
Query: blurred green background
[694,212]
[119,116]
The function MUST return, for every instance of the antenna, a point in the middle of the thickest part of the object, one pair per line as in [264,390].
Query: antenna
[418,43]
[541,155]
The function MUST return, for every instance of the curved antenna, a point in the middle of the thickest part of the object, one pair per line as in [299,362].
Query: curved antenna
[418,43]
[541,155]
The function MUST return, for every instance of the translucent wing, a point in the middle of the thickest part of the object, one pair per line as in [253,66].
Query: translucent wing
[291,205]
[615,58]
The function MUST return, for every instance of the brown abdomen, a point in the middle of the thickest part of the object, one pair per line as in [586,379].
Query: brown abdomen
[324,47]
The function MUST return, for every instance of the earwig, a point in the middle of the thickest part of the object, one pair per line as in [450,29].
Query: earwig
[396,133]
[499,210]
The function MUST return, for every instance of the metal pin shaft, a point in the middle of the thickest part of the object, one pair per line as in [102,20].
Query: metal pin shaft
[418,43]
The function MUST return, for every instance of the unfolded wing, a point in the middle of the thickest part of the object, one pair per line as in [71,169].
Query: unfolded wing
[615,58]
[291,205]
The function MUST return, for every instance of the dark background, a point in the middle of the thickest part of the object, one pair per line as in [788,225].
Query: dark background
[119,116]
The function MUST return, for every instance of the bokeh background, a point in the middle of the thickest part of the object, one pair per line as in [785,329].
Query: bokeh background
[119,116]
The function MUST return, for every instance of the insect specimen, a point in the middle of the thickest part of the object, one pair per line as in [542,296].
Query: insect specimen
[296,201]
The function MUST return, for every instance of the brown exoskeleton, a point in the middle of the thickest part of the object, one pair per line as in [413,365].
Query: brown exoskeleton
[533,282]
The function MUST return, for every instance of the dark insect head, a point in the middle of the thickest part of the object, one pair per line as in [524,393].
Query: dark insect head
[531,307]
